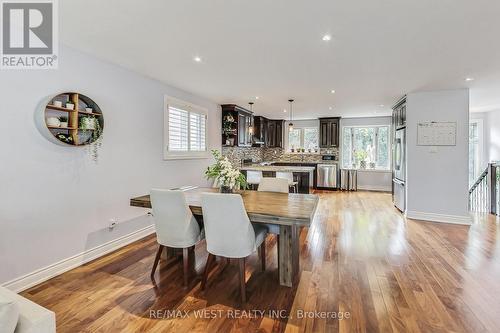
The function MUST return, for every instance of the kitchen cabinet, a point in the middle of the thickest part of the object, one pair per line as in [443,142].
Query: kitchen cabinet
[275,132]
[329,132]
[239,132]
[260,133]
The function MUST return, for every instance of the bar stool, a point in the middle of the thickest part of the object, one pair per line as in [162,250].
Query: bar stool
[254,178]
[288,176]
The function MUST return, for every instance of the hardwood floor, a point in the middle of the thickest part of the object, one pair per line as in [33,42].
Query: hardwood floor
[359,257]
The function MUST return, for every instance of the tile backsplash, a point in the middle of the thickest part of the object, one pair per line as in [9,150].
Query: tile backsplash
[236,154]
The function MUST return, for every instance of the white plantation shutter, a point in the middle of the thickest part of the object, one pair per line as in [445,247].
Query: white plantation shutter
[177,129]
[185,127]
[197,124]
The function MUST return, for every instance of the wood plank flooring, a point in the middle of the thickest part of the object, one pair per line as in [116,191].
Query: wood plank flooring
[360,260]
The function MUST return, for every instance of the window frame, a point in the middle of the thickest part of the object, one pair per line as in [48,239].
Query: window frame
[302,140]
[191,108]
[377,127]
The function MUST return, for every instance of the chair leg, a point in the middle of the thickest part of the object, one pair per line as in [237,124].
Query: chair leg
[263,255]
[241,262]
[157,259]
[185,260]
[210,260]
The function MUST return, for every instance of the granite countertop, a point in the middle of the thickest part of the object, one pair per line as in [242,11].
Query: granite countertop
[277,168]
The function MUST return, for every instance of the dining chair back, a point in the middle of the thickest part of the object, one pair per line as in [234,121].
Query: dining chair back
[271,184]
[175,224]
[228,230]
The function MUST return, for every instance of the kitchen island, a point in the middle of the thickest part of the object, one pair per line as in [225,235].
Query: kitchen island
[303,175]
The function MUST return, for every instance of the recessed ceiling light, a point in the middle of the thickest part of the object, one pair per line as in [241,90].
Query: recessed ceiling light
[256,97]
[330,108]
[197,59]
[326,38]
[469,79]
[284,110]
[381,105]
[332,91]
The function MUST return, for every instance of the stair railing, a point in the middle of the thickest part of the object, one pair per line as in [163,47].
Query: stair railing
[484,193]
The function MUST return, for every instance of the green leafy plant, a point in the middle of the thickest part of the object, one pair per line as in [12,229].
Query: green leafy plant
[361,155]
[224,172]
[63,119]
[91,123]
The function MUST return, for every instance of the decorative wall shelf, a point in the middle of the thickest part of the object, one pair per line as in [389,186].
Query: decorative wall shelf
[83,127]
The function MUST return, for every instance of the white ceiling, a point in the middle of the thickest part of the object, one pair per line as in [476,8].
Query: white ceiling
[380,49]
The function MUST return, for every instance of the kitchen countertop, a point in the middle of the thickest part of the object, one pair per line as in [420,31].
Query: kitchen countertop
[276,168]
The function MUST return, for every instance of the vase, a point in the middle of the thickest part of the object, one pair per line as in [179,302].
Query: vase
[225,189]
[362,165]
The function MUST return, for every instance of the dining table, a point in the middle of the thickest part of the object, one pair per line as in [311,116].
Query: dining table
[289,211]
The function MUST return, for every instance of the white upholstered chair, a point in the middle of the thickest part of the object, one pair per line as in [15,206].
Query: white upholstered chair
[289,177]
[175,225]
[230,234]
[254,177]
[271,184]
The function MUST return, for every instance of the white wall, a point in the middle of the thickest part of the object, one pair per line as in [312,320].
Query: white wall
[437,182]
[55,202]
[375,180]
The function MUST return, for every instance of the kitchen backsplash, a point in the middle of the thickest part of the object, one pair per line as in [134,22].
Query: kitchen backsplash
[236,154]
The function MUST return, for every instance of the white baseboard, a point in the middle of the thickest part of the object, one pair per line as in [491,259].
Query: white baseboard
[432,217]
[43,274]
[374,188]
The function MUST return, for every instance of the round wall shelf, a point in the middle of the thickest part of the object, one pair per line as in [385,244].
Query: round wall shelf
[72,119]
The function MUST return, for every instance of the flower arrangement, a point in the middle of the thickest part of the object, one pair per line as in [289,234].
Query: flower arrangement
[225,174]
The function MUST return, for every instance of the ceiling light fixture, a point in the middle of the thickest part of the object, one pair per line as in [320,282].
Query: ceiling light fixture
[468,79]
[256,97]
[330,108]
[381,105]
[284,110]
[290,125]
[250,128]
[332,91]
[327,38]
[197,59]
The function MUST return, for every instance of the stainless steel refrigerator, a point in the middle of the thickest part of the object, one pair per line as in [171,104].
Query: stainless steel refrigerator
[399,166]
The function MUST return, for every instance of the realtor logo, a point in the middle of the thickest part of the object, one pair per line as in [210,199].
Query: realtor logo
[29,34]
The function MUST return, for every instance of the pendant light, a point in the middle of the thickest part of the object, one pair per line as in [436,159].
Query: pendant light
[250,128]
[290,124]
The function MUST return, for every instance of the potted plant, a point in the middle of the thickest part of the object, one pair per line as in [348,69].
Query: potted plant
[88,123]
[225,174]
[88,109]
[57,103]
[91,123]
[361,156]
[64,121]
[70,105]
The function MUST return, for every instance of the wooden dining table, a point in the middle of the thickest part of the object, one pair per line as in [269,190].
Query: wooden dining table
[290,212]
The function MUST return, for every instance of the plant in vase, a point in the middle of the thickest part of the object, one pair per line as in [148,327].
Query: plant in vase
[91,123]
[70,105]
[225,174]
[361,156]
[64,121]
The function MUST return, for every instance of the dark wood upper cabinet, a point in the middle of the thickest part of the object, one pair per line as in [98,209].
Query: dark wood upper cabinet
[260,134]
[329,132]
[399,114]
[275,133]
[240,131]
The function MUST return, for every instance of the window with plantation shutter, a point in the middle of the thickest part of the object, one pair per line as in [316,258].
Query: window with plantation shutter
[185,130]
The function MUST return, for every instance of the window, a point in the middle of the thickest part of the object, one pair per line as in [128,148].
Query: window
[306,138]
[475,149]
[185,130]
[366,145]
